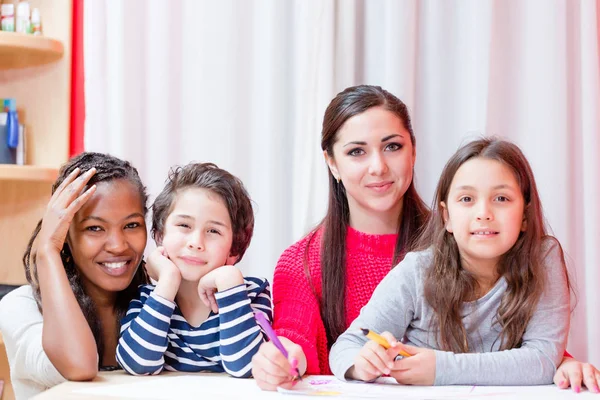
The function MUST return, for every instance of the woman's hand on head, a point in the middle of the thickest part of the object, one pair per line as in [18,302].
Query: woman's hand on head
[270,369]
[373,360]
[64,203]
[573,373]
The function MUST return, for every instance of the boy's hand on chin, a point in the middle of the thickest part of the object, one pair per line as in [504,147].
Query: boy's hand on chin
[218,280]
[160,267]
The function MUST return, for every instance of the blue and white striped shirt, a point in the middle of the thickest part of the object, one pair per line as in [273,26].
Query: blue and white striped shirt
[155,335]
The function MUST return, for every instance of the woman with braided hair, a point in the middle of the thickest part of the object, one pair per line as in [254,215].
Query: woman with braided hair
[83,264]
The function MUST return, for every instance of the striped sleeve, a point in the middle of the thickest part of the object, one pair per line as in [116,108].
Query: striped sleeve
[240,335]
[143,339]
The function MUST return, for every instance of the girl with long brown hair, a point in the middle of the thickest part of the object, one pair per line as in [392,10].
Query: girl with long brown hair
[487,301]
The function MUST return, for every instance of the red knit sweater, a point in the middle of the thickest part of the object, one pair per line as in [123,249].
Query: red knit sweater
[297,309]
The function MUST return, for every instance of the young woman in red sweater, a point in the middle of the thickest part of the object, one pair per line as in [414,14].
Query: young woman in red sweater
[374,213]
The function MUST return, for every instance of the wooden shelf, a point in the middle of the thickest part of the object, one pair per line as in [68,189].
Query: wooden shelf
[29,173]
[18,50]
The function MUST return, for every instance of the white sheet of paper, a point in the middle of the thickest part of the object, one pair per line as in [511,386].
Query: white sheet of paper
[328,386]
[383,388]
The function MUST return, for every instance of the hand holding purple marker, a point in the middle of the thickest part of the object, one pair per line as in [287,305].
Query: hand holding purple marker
[264,324]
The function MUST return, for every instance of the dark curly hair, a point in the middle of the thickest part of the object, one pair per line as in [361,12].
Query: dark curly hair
[108,168]
[228,187]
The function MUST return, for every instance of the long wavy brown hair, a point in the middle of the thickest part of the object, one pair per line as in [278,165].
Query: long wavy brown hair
[108,168]
[348,103]
[447,285]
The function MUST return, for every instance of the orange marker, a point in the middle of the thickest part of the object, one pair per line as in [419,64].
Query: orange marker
[381,341]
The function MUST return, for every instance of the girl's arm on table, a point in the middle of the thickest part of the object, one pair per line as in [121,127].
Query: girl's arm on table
[390,309]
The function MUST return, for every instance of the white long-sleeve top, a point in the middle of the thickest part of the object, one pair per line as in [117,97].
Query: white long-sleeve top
[398,306]
[31,371]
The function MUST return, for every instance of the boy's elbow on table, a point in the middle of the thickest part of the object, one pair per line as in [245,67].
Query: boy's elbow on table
[145,371]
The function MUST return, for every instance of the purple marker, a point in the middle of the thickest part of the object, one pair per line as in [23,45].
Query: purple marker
[264,324]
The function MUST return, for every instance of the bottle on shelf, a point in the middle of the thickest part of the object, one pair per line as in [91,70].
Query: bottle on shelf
[7,16]
[23,18]
[12,123]
[36,22]
[12,135]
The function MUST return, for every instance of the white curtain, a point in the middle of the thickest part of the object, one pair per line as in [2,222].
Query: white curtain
[244,84]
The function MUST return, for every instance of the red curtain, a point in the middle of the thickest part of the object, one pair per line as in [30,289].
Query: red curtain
[77,89]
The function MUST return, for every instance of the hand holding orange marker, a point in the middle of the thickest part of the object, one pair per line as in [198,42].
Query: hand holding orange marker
[381,341]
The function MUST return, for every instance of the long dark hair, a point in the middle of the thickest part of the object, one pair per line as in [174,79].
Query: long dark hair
[108,168]
[447,285]
[353,101]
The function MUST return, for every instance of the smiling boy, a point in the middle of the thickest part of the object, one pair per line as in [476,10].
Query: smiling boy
[199,316]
